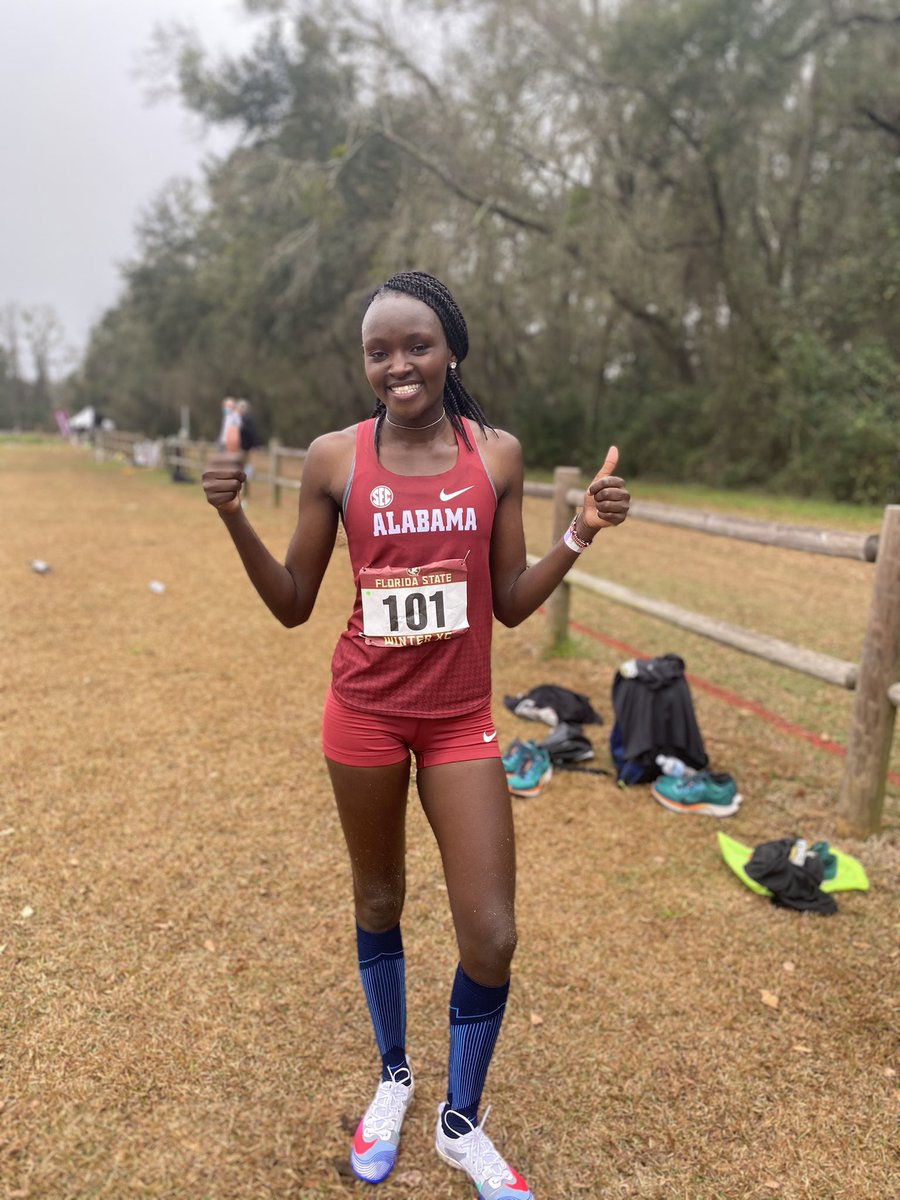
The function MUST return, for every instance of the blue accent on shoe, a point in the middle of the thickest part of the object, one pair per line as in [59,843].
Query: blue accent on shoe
[535,771]
[516,755]
[712,793]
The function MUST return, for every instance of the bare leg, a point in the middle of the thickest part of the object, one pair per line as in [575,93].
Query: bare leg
[468,806]
[470,811]
[371,803]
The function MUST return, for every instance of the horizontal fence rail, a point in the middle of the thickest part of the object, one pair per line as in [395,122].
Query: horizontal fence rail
[834,542]
[874,679]
[786,654]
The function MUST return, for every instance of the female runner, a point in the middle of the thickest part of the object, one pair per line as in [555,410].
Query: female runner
[430,496]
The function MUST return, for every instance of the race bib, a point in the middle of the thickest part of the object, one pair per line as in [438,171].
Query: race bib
[409,606]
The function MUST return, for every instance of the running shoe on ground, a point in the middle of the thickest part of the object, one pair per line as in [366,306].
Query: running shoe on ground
[535,771]
[516,754]
[376,1140]
[475,1154]
[712,793]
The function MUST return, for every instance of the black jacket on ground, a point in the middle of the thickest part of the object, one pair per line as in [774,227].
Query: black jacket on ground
[655,712]
[792,885]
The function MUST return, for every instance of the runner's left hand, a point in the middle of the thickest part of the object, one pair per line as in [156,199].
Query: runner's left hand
[606,500]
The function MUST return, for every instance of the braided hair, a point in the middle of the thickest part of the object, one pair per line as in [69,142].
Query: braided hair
[458,403]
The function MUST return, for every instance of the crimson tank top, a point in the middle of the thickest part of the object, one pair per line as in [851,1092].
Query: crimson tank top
[410,521]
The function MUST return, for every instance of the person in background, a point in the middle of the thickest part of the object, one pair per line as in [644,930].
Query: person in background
[430,495]
[230,431]
[249,430]
[249,440]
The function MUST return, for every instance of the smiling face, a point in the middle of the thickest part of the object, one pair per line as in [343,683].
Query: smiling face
[406,357]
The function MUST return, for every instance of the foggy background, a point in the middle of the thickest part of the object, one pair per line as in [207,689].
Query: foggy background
[82,147]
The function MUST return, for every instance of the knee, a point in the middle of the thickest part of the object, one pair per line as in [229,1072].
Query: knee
[378,908]
[486,951]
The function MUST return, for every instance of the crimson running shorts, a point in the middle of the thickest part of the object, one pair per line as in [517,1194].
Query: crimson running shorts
[372,739]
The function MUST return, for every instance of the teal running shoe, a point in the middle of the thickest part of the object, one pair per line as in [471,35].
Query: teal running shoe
[475,1154]
[712,793]
[534,772]
[516,754]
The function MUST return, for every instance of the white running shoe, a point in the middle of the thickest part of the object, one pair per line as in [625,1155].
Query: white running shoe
[475,1154]
[377,1137]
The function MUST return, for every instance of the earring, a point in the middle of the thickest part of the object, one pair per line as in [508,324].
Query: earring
[453,366]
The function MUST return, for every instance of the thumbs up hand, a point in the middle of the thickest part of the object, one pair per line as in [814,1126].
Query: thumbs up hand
[606,500]
[222,482]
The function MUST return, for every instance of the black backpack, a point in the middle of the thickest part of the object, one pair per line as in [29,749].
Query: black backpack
[654,714]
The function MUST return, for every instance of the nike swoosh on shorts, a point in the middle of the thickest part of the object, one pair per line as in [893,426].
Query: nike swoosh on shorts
[489,737]
[445,496]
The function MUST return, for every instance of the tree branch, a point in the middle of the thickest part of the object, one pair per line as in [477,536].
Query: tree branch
[881,122]
[835,25]
[483,203]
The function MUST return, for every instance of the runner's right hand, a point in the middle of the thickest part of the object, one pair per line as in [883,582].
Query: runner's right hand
[222,482]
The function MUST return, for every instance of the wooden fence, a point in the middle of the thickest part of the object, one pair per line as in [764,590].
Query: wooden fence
[874,678]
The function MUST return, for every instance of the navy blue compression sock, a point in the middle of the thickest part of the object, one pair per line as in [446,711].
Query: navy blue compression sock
[382,969]
[476,1014]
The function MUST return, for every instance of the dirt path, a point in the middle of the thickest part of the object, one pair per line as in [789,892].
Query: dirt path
[179,1008]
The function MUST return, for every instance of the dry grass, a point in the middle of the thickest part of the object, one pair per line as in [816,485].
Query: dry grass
[180,1012]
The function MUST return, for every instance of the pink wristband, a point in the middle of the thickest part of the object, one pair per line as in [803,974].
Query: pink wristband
[573,541]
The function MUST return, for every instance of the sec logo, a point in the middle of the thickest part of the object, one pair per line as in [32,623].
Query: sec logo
[381,496]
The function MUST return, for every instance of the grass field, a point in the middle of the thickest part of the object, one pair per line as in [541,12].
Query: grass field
[180,1013]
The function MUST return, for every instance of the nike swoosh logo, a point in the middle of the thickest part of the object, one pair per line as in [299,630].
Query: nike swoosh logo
[445,496]
[489,737]
[360,1145]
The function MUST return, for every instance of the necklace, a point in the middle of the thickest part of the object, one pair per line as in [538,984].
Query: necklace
[431,425]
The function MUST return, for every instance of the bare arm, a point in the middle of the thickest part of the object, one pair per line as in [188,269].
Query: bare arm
[288,589]
[518,589]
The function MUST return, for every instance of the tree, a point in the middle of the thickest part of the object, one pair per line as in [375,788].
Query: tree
[675,224]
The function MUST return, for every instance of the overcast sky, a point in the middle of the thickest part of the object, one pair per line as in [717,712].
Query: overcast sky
[82,152]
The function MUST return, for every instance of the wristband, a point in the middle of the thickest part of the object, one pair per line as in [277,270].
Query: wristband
[572,540]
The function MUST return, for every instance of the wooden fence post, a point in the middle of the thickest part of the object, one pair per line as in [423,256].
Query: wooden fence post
[861,797]
[274,467]
[564,479]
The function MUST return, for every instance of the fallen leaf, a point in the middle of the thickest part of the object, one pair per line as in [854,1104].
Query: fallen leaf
[789,967]
[7,832]
[769,998]
[537,1019]
[209,945]
[771,1183]
[27,911]
[890,1072]
[801,1049]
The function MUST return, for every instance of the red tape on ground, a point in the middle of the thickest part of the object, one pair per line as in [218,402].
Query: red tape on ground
[733,699]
